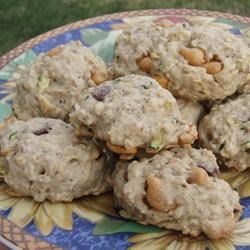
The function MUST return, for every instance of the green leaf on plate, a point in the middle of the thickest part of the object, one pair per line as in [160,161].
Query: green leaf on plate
[91,36]
[9,69]
[101,42]
[232,23]
[111,226]
[5,111]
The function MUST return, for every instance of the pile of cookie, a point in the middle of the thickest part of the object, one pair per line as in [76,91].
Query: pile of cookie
[152,126]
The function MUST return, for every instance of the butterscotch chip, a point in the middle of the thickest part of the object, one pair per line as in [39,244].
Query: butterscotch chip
[99,76]
[212,67]
[145,64]
[161,79]
[194,56]
[155,195]
[198,176]
[54,51]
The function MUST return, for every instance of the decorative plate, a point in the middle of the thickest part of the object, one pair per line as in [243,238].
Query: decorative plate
[91,222]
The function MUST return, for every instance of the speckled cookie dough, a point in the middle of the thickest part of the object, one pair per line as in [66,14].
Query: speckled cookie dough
[44,159]
[246,87]
[132,113]
[191,111]
[197,63]
[246,36]
[226,131]
[173,190]
[47,87]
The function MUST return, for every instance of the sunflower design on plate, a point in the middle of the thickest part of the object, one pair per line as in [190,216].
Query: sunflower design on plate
[151,237]
[99,210]
[46,215]
[92,222]
[239,181]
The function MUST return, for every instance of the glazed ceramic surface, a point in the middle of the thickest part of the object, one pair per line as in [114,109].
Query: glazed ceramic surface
[91,222]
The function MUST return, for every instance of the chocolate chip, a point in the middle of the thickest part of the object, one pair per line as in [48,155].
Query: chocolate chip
[99,93]
[41,131]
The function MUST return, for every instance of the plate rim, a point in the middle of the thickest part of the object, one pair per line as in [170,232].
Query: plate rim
[10,55]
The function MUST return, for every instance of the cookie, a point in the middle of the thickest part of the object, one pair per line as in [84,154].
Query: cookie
[196,63]
[246,36]
[226,131]
[191,111]
[246,87]
[44,159]
[46,88]
[173,190]
[132,113]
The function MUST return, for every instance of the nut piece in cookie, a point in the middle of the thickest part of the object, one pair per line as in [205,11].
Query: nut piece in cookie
[226,131]
[47,86]
[44,159]
[172,190]
[131,114]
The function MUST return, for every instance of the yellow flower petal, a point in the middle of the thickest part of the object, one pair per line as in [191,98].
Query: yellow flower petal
[220,244]
[241,234]
[9,85]
[242,240]
[187,245]
[223,26]
[102,203]
[244,189]
[87,213]
[4,196]
[145,245]
[236,179]
[197,245]
[242,226]
[23,211]
[227,175]
[43,222]
[178,245]
[200,19]
[156,244]
[12,193]
[239,179]
[60,213]
[8,97]
[8,203]
[147,236]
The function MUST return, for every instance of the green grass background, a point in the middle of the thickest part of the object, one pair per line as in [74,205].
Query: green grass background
[21,20]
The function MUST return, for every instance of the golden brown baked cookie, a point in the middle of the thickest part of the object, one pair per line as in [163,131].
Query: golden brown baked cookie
[132,113]
[197,63]
[47,87]
[226,131]
[173,190]
[45,160]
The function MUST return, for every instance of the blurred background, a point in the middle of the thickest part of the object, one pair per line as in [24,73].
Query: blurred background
[21,20]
